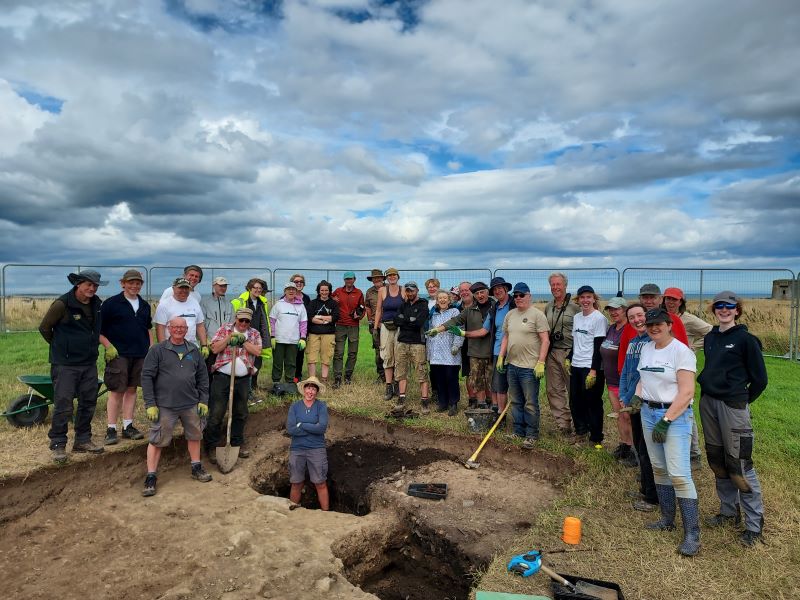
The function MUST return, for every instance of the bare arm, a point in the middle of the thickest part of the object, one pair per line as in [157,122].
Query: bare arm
[544,337]
[161,332]
[684,396]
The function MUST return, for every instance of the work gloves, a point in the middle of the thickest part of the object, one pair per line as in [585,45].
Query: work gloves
[111,353]
[204,351]
[500,364]
[568,366]
[274,343]
[152,414]
[538,370]
[455,350]
[455,330]
[237,339]
[660,431]
[636,404]
[301,345]
[432,332]
[590,381]
[202,409]
[266,353]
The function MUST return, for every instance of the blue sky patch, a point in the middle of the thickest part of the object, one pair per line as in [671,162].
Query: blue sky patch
[47,103]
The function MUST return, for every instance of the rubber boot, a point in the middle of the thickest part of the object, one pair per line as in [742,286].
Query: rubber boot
[690,514]
[666,502]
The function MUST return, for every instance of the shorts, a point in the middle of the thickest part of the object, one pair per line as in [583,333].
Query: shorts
[315,459]
[161,430]
[409,355]
[499,380]
[388,347]
[320,348]
[122,373]
[480,373]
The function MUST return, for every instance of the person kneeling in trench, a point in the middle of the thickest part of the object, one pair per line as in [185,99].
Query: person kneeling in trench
[306,424]
[175,387]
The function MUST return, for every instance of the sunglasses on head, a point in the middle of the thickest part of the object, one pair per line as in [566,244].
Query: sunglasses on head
[720,305]
[243,320]
[518,295]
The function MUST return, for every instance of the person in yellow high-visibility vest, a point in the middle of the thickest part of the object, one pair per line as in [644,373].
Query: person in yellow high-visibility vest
[254,298]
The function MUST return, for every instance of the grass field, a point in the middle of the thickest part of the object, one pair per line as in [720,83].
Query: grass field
[615,546]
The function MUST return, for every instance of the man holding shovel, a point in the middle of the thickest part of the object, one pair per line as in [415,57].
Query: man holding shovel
[228,342]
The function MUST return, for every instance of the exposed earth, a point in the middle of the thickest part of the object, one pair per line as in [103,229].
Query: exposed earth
[84,530]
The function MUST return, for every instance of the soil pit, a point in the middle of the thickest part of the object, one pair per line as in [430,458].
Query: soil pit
[84,531]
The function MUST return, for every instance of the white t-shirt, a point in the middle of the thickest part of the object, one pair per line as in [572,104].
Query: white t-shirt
[584,330]
[189,310]
[659,369]
[168,294]
[288,317]
[134,303]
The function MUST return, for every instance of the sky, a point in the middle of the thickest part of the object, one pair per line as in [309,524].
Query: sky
[409,133]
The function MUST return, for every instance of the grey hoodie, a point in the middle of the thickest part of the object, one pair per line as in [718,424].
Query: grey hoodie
[174,381]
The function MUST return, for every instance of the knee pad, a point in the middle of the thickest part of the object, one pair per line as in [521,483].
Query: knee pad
[734,467]
[717,461]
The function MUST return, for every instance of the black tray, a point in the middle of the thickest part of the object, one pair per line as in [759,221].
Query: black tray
[431,491]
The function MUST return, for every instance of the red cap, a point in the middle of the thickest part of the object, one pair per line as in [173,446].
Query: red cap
[674,293]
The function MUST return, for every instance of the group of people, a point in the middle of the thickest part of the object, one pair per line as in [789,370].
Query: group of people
[491,334]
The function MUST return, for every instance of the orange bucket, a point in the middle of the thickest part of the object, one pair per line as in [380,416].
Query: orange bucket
[572,530]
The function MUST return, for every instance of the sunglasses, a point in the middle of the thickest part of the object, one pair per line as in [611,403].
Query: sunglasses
[243,320]
[299,282]
[519,295]
[721,305]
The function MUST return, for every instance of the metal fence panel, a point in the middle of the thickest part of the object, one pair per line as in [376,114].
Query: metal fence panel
[28,290]
[161,277]
[771,319]
[604,280]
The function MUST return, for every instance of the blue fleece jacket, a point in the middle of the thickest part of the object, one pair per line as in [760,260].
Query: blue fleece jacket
[629,377]
[313,422]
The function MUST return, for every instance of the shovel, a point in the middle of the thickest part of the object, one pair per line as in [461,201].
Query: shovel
[582,587]
[471,464]
[227,456]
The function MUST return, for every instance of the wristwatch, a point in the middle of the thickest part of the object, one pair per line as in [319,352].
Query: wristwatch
[667,420]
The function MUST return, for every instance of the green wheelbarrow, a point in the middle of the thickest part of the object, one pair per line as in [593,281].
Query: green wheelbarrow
[31,409]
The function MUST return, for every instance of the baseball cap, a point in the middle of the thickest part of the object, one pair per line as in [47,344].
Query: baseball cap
[521,288]
[181,282]
[657,315]
[349,275]
[290,285]
[617,302]
[649,289]
[726,296]
[220,281]
[674,292]
[585,289]
[132,275]
[411,285]
[244,313]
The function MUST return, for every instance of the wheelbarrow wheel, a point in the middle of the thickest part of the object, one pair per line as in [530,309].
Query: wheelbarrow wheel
[27,418]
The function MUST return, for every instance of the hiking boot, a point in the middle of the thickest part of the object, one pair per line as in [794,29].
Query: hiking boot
[644,506]
[199,473]
[749,538]
[425,409]
[348,381]
[149,485]
[131,433]
[482,405]
[389,393]
[212,457]
[629,461]
[690,515]
[472,403]
[452,411]
[634,495]
[720,520]
[59,454]
[620,451]
[111,436]
[337,383]
[244,453]
[666,502]
[696,463]
[440,409]
[529,443]
[87,447]
[380,379]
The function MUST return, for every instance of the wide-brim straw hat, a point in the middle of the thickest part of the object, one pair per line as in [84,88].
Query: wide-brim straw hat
[301,385]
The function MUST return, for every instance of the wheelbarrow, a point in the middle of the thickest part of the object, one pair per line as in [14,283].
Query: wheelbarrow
[31,409]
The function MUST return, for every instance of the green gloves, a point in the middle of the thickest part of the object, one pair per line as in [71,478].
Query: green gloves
[660,431]
[590,381]
[111,353]
[204,351]
[301,345]
[538,370]
[202,409]
[266,353]
[500,364]
[432,332]
[152,413]
[457,331]
[237,339]
[636,404]
[568,366]
[274,343]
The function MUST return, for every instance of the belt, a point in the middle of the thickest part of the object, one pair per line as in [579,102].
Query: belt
[226,375]
[652,404]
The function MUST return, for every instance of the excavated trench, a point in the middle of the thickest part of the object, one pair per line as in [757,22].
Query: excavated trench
[406,548]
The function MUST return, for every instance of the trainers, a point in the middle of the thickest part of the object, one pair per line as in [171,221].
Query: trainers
[87,447]
[199,473]
[720,520]
[149,486]
[131,433]
[749,538]
[452,411]
[529,443]
[644,506]
[60,454]
[634,494]
[111,436]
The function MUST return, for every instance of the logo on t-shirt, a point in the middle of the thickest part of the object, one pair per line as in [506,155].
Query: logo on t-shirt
[729,346]
[652,369]
[582,331]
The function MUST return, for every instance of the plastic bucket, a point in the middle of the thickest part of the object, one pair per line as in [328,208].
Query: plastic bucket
[480,419]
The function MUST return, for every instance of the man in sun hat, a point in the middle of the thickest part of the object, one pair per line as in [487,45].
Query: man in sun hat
[126,333]
[371,303]
[351,311]
[71,327]
[235,339]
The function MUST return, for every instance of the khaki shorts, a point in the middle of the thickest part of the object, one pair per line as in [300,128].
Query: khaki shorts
[388,347]
[480,373]
[320,348]
[161,430]
[123,373]
[411,355]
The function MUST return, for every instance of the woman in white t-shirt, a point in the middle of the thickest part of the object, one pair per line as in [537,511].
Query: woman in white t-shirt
[586,367]
[665,393]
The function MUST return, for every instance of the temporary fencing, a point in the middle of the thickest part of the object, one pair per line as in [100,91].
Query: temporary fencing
[605,280]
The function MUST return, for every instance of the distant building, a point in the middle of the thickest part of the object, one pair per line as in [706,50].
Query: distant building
[782,289]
